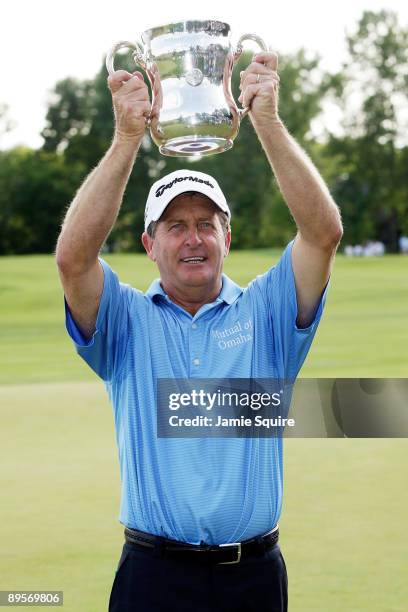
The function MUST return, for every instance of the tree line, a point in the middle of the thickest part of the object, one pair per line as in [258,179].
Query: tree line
[364,163]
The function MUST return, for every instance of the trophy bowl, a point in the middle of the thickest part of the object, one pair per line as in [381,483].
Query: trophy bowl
[189,66]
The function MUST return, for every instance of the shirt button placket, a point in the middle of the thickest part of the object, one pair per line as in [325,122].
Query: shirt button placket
[194,349]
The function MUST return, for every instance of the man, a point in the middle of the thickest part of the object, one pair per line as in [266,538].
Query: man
[200,513]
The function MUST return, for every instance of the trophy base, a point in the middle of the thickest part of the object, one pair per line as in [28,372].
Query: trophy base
[195,146]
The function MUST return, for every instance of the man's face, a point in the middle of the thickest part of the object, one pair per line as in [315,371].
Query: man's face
[189,245]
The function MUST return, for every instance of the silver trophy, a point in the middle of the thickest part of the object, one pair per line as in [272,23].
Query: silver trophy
[189,66]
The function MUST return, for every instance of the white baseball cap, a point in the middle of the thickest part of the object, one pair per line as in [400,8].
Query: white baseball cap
[163,191]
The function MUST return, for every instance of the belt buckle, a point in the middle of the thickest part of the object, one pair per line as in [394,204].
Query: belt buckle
[238,559]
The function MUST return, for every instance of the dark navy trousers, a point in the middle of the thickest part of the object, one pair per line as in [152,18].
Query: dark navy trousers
[146,581]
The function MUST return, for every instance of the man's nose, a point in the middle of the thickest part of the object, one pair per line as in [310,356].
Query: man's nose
[193,237]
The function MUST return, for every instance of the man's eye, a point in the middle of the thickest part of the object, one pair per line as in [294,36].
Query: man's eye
[205,225]
[175,226]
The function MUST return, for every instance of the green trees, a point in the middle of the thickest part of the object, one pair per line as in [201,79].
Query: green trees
[372,186]
[364,164]
[35,187]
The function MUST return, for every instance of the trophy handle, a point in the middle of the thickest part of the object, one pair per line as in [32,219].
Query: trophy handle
[125,44]
[137,56]
[238,52]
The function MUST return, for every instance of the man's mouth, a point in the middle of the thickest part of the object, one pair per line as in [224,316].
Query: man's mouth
[193,260]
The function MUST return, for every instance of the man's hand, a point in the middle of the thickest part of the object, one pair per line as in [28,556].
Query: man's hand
[260,89]
[131,104]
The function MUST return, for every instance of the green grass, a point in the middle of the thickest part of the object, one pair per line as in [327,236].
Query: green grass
[60,492]
[343,525]
[363,332]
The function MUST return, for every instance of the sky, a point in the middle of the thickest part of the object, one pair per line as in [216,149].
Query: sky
[44,41]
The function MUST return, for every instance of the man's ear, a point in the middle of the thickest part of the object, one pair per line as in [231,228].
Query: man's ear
[147,242]
[227,242]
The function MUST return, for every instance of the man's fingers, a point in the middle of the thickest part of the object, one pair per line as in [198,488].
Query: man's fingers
[125,81]
[270,59]
[257,78]
[138,74]
[116,80]
[132,85]
[252,78]
[269,87]
[129,110]
[248,94]
[134,94]
[256,68]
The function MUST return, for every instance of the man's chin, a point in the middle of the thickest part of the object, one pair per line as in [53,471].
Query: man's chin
[197,278]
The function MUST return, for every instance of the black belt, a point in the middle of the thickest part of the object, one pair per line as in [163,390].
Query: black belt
[206,553]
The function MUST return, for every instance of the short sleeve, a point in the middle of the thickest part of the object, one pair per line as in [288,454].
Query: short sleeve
[105,351]
[290,343]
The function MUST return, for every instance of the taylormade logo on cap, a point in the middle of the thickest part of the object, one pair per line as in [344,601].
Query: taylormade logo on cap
[163,191]
[160,190]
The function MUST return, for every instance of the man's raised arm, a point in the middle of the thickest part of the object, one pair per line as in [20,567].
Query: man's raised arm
[316,214]
[95,207]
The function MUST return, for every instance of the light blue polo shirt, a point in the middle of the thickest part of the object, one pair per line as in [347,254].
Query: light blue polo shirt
[215,490]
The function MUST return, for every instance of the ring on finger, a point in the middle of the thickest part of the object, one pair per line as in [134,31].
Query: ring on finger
[258,78]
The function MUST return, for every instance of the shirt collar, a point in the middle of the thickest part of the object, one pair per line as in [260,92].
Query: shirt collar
[228,294]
